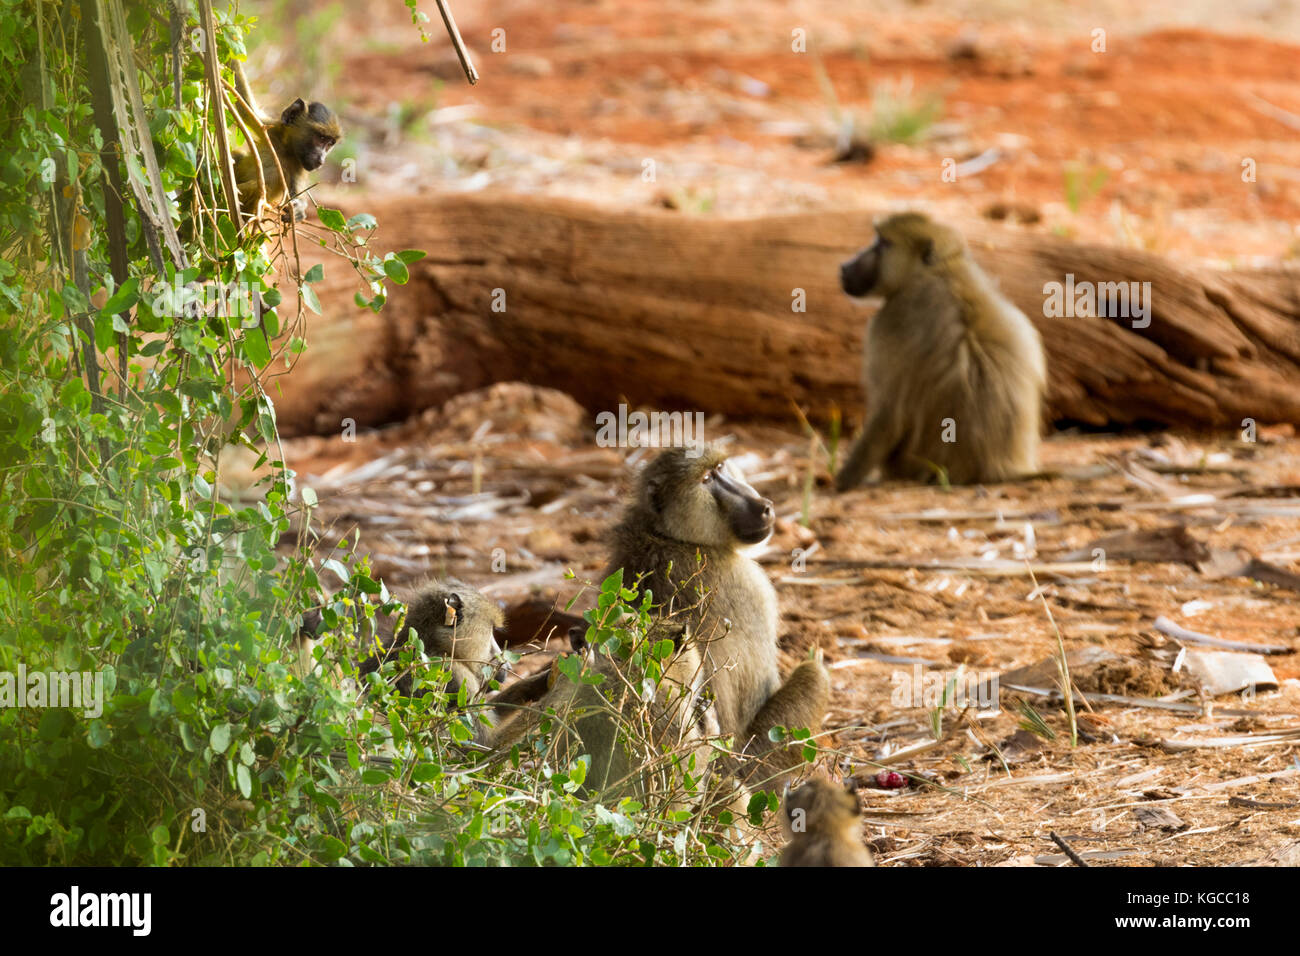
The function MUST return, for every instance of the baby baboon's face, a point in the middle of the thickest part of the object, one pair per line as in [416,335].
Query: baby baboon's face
[705,500]
[315,130]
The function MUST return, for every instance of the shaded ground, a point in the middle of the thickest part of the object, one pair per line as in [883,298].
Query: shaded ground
[945,583]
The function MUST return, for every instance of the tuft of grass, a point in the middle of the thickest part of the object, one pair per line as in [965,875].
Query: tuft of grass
[899,115]
[815,442]
[940,473]
[1032,721]
[1081,187]
[936,714]
[1062,665]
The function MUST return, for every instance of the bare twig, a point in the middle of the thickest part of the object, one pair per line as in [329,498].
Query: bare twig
[1166,626]
[449,22]
[1068,850]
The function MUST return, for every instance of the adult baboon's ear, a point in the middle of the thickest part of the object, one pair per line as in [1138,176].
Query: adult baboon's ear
[452,607]
[654,486]
[578,637]
[293,111]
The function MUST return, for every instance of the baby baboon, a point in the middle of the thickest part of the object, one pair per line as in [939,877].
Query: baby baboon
[824,825]
[300,139]
[455,622]
[681,537]
[954,372]
[612,722]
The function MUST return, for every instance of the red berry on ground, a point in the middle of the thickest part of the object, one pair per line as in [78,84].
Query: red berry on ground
[889,780]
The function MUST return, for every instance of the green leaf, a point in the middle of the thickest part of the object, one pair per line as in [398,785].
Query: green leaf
[229,235]
[245,781]
[570,665]
[99,734]
[158,703]
[425,772]
[331,219]
[53,724]
[73,299]
[309,297]
[612,584]
[256,349]
[333,564]
[219,739]
[362,220]
[366,584]
[411,255]
[396,270]
[314,274]
[333,848]
[127,295]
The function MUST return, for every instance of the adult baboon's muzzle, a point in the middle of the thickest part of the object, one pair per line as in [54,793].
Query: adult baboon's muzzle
[750,515]
[858,275]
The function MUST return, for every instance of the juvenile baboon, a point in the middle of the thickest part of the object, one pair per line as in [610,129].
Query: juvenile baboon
[824,825]
[954,372]
[682,538]
[301,138]
[454,622]
[611,720]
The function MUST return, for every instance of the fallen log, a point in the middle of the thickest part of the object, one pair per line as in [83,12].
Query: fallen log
[672,312]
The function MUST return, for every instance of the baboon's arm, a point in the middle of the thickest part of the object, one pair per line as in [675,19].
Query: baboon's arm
[523,692]
[871,448]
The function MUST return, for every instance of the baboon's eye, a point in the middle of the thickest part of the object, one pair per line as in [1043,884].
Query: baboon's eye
[708,475]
